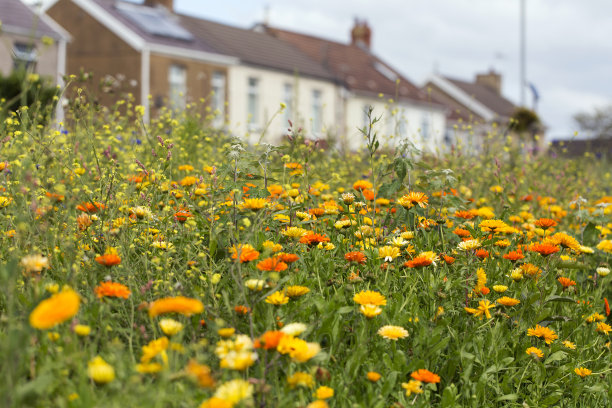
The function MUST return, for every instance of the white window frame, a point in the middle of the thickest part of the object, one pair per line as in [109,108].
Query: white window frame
[253,102]
[177,86]
[218,82]
[317,112]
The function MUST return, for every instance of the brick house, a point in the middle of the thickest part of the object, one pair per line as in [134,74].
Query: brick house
[33,41]
[474,108]
[141,49]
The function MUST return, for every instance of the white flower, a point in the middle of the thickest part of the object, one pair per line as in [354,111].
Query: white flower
[294,329]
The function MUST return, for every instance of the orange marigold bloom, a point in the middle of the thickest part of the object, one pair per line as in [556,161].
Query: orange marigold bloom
[272,264]
[355,256]
[418,262]
[514,256]
[448,259]
[484,290]
[90,207]
[55,310]
[242,310]
[287,258]
[531,270]
[317,212]
[482,253]
[182,215]
[565,282]
[545,333]
[425,376]
[361,185]
[108,259]
[543,249]
[545,223]
[413,198]
[55,196]
[466,215]
[462,233]
[313,238]
[247,252]
[269,340]
[607,306]
[368,194]
[112,289]
[179,304]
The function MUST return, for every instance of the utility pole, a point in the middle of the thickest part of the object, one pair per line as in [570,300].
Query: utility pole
[522,51]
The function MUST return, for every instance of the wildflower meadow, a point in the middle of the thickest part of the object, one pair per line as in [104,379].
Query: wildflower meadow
[169,265]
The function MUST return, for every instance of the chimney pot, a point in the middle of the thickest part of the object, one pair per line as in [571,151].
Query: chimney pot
[491,80]
[168,4]
[361,34]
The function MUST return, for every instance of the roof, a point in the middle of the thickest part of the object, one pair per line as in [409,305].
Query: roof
[486,96]
[18,18]
[254,47]
[127,14]
[357,68]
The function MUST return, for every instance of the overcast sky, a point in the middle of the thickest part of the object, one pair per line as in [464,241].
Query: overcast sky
[569,42]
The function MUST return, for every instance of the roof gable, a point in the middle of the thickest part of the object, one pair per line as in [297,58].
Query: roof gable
[495,102]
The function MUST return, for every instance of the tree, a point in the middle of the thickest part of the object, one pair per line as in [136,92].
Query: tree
[598,123]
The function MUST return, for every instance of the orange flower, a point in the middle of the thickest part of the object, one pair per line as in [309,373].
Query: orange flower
[317,212]
[361,185]
[269,340]
[484,290]
[55,310]
[179,304]
[467,215]
[482,253]
[413,198]
[514,256]
[545,223]
[242,310]
[247,252]
[419,261]
[448,259]
[565,282]
[313,239]
[607,306]
[368,194]
[108,260]
[83,221]
[91,207]
[55,196]
[355,256]
[425,376]
[271,264]
[287,258]
[462,233]
[543,249]
[112,289]
[182,215]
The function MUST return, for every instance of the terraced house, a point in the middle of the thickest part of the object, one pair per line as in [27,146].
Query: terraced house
[245,74]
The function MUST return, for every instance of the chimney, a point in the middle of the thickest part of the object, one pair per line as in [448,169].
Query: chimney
[491,80]
[361,34]
[168,4]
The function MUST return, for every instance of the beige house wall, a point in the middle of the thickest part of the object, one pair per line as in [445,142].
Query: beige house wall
[47,54]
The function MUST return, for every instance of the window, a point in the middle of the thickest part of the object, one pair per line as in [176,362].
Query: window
[217,102]
[288,100]
[317,112]
[253,103]
[177,80]
[24,56]
[425,127]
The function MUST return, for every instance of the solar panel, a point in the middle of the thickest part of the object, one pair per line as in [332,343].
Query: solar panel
[154,21]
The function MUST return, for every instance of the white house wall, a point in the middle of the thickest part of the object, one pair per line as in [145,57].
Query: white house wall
[271,92]
[398,121]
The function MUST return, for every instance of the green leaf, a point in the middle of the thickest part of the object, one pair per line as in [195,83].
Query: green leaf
[590,234]
[556,356]
[508,397]
[345,309]
[556,298]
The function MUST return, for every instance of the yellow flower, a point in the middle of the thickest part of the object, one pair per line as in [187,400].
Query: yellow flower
[255,284]
[234,391]
[373,376]
[226,332]
[392,332]
[545,333]
[412,387]
[605,245]
[294,329]
[568,344]
[370,310]
[254,204]
[55,310]
[603,328]
[298,349]
[300,379]
[82,330]
[388,253]
[534,352]
[100,371]
[154,348]
[582,371]
[370,297]
[413,198]
[179,304]
[34,263]
[170,326]
[277,298]
[296,291]
[149,368]
[294,232]
[324,392]
[469,245]
[508,301]
[500,288]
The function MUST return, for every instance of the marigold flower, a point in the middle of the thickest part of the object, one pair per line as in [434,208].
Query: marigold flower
[112,289]
[425,376]
[100,371]
[469,245]
[82,330]
[294,329]
[545,333]
[373,376]
[534,352]
[234,391]
[55,310]
[413,198]
[34,263]
[313,239]
[370,311]
[530,270]
[412,387]
[324,392]
[582,371]
[605,246]
[277,298]
[543,249]
[272,264]
[388,253]
[568,344]
[201,373]
[500,288]
[419,262]
[370,297]
[466,215]
[355,256]
[603,328]
[287,258]
[269,340]
[179,304]
[508,301]
[241,309]
[90,207]
[481,253]
[493,226]
[254,204]
[226,332]
[514,256]
[246,251]
[182,215]
[603,271]
[361,185]
[545,223]
[565,282]
[301,379]
[392,332]
[108,260]
[296,291]
[170,327]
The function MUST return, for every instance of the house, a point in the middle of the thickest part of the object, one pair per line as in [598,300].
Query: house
[474,108]
[270,72]
[32,41]
[366,80]
[141,49]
